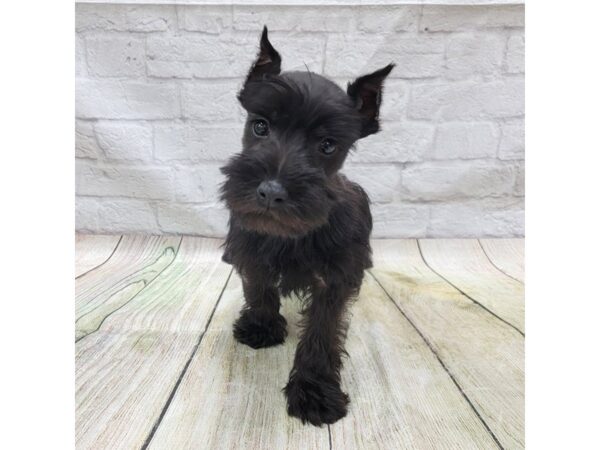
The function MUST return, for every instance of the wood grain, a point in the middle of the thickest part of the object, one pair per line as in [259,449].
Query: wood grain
[463,263]
[177,301]
[230,397]
[401,396]
[135,263]
[92,250]
[126,371]
[484,355]
[508,255]
[428,367]
[122,382]
[391,369]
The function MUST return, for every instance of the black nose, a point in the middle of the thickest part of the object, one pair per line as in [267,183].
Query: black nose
[271,193]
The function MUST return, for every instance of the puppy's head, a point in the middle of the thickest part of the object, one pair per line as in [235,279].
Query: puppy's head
[299,130]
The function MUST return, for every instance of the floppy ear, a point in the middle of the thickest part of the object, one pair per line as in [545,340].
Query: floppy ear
[366,92]
[268,60]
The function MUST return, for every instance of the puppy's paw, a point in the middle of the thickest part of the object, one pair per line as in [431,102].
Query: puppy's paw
[258,331]
[316,400]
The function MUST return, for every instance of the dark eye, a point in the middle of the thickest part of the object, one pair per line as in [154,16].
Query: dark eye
[327,146]
[260,128]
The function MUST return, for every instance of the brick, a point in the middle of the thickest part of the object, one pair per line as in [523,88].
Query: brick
[397,18]
[125,181]
[454,17]
[149,17]
[205,18]
[394,100]
[512,143]
[99,17]
[138,18]
[202,220]
[448,161]
[467,100]
[126,216]
[201,56]
[196,142]
[348,55]
[86,145]
[125,140]
[393,220]
[197,184]
[86,214]
[380,182]
[474,54]
[80,62]
[112,99]
[173,69]
[515,54]
[435,181]
[211,102]
[295,18]
[478,218]
[416,56]
[116,56]
[460,140]
[110,215]
[395,143]
[298,52]
[520,179]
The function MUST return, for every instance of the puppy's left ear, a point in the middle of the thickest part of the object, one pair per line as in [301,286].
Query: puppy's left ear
[366,92]
[268,60]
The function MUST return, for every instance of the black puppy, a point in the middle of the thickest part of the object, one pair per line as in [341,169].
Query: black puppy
[296,225]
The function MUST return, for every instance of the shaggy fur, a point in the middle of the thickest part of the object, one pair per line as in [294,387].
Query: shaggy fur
[296,224]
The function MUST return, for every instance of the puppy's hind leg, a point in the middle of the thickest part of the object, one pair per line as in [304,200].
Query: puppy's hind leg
[260,324]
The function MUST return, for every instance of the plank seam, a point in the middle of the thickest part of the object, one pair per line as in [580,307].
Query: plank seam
[185,368]
[430,346]
[133,275]
[102,263]
[329,432]
[493,264]
[131,299]
[467,295]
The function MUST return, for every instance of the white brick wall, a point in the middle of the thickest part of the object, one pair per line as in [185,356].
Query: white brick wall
[157,114]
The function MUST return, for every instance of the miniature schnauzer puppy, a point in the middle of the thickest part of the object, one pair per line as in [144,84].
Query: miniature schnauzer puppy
[296,224]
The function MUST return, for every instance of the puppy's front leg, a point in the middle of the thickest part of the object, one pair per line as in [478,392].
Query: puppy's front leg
[260,324]
[313,392]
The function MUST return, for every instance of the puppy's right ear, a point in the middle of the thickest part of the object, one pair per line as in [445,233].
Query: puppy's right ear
[268,60]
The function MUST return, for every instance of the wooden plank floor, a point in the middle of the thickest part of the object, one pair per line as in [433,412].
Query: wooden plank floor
[436,348]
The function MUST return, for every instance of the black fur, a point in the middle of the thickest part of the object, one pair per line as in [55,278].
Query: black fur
[313,239]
